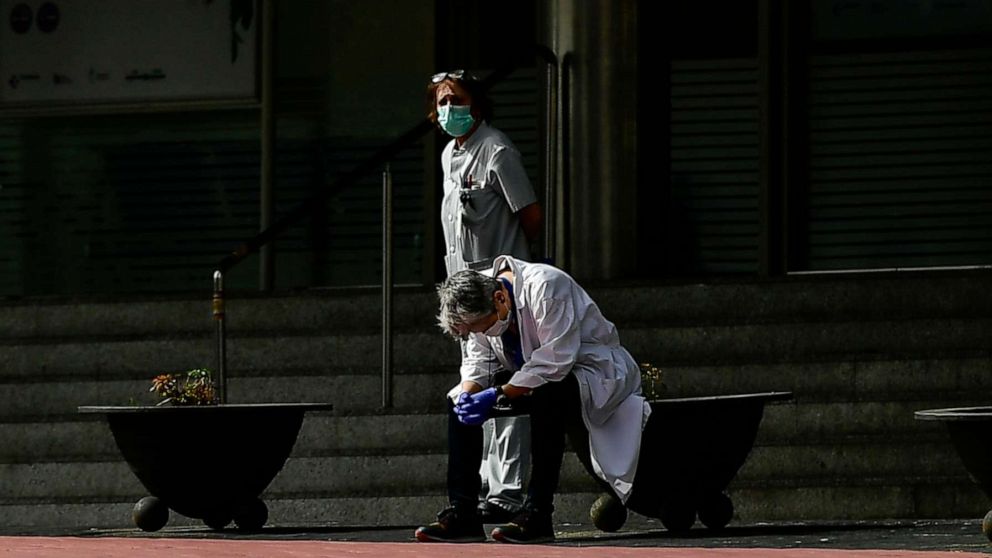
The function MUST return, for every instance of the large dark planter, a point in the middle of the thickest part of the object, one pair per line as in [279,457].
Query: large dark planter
[971,430]
[691,449]
[205,462]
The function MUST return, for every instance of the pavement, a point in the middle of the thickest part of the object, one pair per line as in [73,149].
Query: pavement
[643,539]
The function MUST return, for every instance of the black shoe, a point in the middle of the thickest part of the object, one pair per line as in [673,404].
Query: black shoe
[526,527]
[495,513]
[453,526]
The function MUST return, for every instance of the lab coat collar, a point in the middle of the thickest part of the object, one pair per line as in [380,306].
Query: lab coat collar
[516,268]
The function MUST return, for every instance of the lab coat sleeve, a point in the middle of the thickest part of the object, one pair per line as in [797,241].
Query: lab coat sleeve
[560,338]
[478,360]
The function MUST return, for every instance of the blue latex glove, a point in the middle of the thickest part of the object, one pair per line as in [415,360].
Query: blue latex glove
[461,408]
[473,409]
[463,399]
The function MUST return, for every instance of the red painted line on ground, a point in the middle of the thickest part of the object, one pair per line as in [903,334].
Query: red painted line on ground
[74,547]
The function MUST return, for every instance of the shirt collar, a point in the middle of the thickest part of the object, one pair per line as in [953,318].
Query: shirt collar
[474,138]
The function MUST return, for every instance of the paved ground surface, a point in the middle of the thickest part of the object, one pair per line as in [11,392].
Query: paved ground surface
[886,539]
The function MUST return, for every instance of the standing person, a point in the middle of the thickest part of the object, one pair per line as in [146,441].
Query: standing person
[489,208]
[580,381]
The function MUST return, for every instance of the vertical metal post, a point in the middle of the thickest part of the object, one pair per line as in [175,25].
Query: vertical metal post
[551,163]
[219,316]
[266,270]
[771,136]
[387,289]
[565,148]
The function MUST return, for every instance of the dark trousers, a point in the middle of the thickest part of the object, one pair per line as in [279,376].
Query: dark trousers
[555,412]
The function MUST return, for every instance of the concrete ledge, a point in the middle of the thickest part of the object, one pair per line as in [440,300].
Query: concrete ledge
[961,499]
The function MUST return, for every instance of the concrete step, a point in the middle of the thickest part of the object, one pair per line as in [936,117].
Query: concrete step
[800,299]
[808,341]
[88,438]
[330,354]
[825,422]
[869,463]
[801,465]
[344,476]
[790,300]
[958,500]
[383,511]
[870,378]
[55,380]
[348,394]
[330,311]
[943,498]
[71,437]
[143,358]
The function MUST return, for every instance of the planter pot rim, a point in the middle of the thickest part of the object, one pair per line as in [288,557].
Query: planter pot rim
[975,414]
[763,396]
[202,408]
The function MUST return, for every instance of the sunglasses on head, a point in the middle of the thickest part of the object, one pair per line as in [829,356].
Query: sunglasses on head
[455,74]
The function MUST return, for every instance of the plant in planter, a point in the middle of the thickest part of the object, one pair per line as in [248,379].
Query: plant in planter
[193,387]
[237,450]
[652,383]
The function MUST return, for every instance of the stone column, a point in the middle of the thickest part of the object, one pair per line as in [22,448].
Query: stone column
[597,195]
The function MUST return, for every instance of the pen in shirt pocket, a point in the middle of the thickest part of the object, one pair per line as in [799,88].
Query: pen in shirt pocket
[467,186]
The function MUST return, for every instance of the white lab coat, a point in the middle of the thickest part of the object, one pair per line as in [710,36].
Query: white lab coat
[562,331]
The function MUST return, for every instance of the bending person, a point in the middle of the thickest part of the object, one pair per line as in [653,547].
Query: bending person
[569,368]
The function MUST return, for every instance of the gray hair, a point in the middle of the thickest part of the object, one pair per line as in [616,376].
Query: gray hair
[465,297]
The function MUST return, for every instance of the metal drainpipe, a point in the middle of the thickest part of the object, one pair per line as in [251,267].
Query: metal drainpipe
[387,289]
[218,311]
[551,164]
[267,124]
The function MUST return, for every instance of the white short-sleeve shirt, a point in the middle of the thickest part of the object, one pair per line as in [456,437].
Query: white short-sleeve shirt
[485,185]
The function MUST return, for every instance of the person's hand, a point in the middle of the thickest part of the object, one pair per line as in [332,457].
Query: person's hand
[473,409]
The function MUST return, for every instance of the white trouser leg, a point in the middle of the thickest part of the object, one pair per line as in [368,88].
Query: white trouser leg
[506,460]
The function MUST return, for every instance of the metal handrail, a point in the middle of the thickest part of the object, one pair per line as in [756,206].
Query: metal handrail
[387,289]
[305,208]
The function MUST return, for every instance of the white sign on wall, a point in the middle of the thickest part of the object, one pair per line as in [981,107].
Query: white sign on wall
[56,52]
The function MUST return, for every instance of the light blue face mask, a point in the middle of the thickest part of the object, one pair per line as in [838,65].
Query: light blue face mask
[455,120]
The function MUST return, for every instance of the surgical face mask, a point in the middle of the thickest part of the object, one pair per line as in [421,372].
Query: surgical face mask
[455,120]
[499,327]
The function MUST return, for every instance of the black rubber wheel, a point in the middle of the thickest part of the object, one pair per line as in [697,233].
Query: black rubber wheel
[608,513]
[716,511]
[150,514]
[677,518]
[217,520]
[251,515]
[987,525]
